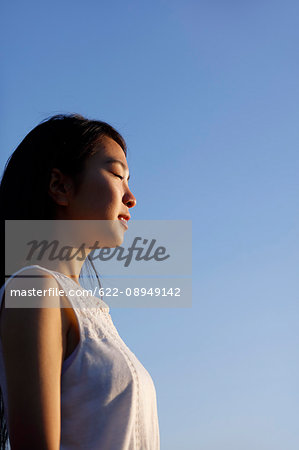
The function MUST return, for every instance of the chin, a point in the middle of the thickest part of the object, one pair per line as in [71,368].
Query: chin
[117,236]
[112,234]
[118,242]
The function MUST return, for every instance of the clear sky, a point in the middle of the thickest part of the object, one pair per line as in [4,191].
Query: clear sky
[206,94]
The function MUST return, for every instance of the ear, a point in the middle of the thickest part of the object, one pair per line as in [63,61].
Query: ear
[60,187]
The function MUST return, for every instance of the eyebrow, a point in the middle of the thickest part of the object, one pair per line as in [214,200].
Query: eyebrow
[112,160]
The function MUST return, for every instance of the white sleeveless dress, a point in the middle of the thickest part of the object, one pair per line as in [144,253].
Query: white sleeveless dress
[108,399]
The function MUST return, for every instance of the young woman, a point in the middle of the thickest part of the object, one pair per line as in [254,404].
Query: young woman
[67,379]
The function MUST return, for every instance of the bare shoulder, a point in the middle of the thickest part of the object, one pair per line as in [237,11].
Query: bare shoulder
[32,309]
[34,343]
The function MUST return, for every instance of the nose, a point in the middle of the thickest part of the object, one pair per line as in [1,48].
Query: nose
[129,200]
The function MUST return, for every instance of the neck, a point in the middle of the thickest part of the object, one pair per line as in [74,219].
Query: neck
[71,268]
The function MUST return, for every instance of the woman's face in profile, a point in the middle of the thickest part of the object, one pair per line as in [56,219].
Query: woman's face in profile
[103,194]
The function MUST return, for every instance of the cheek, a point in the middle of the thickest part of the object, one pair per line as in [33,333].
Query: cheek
[104,195]
[107,191]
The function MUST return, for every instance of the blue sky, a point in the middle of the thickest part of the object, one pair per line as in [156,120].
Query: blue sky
[206,94]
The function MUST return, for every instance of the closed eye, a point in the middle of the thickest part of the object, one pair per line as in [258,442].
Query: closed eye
[118,176]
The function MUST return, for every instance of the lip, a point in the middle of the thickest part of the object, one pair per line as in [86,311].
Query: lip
[125,216]
[123,221]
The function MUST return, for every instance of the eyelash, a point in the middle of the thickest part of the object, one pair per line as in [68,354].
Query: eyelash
[118,176]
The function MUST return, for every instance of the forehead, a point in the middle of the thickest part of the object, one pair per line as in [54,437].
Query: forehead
[104,151]
[107,148]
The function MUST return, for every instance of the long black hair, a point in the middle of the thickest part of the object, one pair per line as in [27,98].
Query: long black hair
[63,141]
